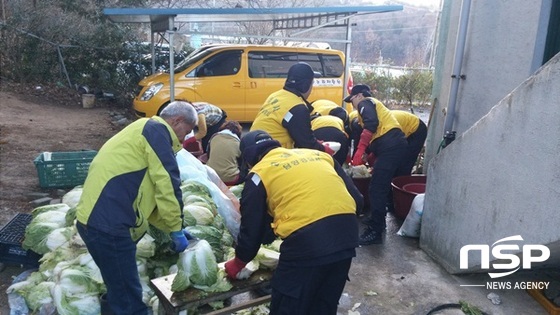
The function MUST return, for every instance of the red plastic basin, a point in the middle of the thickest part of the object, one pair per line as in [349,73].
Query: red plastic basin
[363,184]
[418,188]
[405,188]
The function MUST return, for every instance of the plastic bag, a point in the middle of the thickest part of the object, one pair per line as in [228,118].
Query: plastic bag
[213,176]
[412,222]
[191,168]
[15,301]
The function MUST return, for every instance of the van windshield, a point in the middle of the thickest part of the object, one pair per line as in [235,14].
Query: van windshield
[193,58]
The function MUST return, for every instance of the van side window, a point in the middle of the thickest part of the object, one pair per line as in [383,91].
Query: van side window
[225,63]
[265,64]
[314,61]
[333,67]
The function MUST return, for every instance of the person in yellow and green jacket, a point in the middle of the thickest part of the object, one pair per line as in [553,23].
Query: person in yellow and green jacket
[134,180]
[382,136]
[304,197]
[285,114]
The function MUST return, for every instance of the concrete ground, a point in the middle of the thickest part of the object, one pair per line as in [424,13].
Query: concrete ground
[398,277]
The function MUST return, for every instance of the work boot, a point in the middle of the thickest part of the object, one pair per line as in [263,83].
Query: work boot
[370,237]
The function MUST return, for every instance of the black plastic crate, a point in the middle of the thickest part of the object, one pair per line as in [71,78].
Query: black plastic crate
[11,238]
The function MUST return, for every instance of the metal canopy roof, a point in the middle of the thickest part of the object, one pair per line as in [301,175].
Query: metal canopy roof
[163,20]
[147,15]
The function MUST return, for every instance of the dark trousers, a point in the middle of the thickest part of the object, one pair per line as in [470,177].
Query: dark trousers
[390,153]
[336,135]
[308,290]
[116,259]
[415,144]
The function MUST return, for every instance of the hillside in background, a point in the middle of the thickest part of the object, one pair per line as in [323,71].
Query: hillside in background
[398,38]
[73,44]
[402,38]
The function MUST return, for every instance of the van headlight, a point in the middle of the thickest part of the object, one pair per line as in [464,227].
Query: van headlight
[151,91]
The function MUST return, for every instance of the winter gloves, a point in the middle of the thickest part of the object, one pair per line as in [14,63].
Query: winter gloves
[365,139]
[233,267]
[179,240]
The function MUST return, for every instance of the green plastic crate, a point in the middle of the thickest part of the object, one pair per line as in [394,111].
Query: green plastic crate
[63,169]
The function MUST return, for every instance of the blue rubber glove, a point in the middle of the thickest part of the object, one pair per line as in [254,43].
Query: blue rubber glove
[188,235]
[179,241]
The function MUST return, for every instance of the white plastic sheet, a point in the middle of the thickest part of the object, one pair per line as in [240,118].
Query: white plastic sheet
[228,205]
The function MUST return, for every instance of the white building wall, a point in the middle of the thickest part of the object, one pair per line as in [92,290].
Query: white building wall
[501,176]
[504,45]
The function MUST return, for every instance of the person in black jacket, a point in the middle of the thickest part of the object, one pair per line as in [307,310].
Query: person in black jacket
[304,197]
[331,128]
[382,136]
[285,115]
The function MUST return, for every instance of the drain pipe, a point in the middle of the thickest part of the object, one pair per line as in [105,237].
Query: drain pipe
[449,134]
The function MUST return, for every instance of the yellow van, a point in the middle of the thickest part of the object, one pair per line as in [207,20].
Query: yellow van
[239,78]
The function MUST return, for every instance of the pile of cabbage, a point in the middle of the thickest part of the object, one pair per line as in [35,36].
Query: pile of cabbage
[69,282]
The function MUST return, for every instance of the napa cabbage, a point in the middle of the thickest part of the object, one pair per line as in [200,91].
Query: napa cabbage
[227,239]
[25,285]
[51,216]
[61,254]
[188,219]
[267,258]
[72,197]
[39,294]
[219,223]
[202,215]
[237,189]
[71,216]
[275,245]
[146,246]
[83,304]
[193,187]
[202,200]
[77,279]
[59,237]
[36,234]
[94,273]
[208,233]
[61,207]
[196,266]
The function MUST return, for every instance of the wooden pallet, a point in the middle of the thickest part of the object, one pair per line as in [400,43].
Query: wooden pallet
[172,303]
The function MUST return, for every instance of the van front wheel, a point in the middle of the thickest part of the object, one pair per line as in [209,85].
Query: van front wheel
[161,108]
